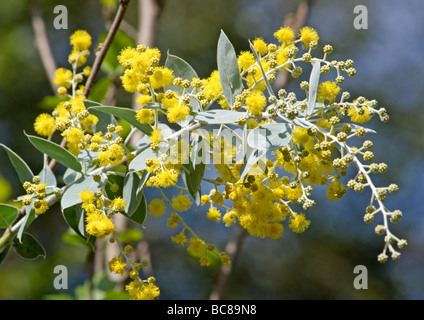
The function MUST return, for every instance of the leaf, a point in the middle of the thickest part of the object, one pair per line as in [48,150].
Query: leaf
[251,157]
[22,169]
[269,137]
[3,252]
[313,85]
[8,214]
[184,71]
[130,193]
[125,114]
[139,162]
[130,235]
[104,118]
[229,74]
[56,152]
[75,218]
[29,247]
[47,176]
[139,215]
[218,116]
[71,195]
[196,169]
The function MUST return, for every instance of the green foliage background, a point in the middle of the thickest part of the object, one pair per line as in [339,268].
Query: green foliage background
[315,265]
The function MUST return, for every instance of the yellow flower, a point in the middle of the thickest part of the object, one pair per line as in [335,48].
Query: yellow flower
[196,246]
[225,259]
[173,221]
[73,136]
[63,78]
[255,102]
[99,225]
[145,116]
[245,60]
[359,117]
[274,230]
[181,202]
[180,238]
[161,77]
[212,86]
[284,35]
[327,90]
[41,206]
[44,124]
[298,222]
[260,46]
[142,290]
[177,113]
[80,40]
[156,136]
[156,207]
[204,261]
[307,35]
[144,99]
[214,214]
[118,203]
[116,265]
[167,178]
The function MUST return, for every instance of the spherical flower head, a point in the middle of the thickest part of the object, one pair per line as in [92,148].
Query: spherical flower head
[260,46]
[99,225]
[284,35]
[212,86]
[177,113]
[214,214]
[73,136]
[87,197]
[181,202]
[63,77]
[204,261]
[156,207]
[298,222]
[80,40]
[274,230]
[44,125]
[196,246]
[156,136]
[335,191]
[180,238]
[225,259]
[117,266]
[327,90]
[359,117]
[307,35]
[144,99]
[113,156]
[42,206]
[161,77]
[245,60]
[255,102]
[145,116]
[139,290]
[167,178]
[118,203]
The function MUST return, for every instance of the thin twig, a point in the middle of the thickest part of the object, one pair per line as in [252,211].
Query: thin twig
[43,44]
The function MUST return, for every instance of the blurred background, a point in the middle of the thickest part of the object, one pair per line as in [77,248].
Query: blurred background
[317,264]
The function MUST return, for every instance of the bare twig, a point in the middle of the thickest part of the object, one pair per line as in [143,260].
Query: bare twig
[233,250]
[296,21]
[43,44]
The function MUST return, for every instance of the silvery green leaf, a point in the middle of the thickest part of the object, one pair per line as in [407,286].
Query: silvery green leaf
[313,85]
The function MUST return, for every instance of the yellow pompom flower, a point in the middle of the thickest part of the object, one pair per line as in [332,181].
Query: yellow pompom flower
[139,290]
[156,136]
[177,113]
[284,35]
[181,202]
[307,35]
[145,116]
[44,125]
[196,246]
[41,206]
[327,90]
[359,117]
[118,203]
[63,77]
[167,178]
[225,259]
[255,102]
[245,60]
[161,77]
[212,86]
[113,156]
[116,265]
[156,207]
[99,225]
[260,46]
[80,40]
[298,222]
[144,99]
[204,261]
[214,214]
[73,136]
[180,238]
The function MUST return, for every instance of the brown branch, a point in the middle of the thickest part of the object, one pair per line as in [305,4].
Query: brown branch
[296,21]
[42,43]
[233,250]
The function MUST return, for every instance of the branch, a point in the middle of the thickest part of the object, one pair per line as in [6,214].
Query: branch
[233,249]
[43,43]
